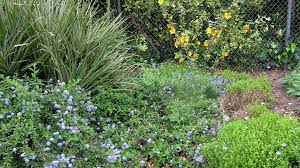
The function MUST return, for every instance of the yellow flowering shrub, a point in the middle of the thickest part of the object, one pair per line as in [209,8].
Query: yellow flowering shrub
[227,35]
[208,31]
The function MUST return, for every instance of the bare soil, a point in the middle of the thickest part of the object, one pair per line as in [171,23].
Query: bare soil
[285,104]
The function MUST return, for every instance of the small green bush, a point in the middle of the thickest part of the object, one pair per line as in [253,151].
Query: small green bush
[267,141]
[261,84]
[186,81]
[234,76]
[255,110]
[179,89]
[244,92]
[117,104]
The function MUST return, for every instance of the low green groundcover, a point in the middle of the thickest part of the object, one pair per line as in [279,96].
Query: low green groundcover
[267,141]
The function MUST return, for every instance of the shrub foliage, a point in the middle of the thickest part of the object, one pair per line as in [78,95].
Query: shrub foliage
[267,141]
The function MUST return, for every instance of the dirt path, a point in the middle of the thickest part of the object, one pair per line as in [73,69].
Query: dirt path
[284,103]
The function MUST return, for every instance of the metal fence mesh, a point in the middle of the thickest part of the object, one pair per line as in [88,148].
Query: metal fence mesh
[296,21]
[279,12]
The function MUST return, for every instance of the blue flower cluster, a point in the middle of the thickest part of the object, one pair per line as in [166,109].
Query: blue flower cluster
[220,83]
[197,157]
[54,121]
[61,160]
[115,153]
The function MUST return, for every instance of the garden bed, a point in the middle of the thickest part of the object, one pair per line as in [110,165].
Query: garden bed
[285,104]
[73,95]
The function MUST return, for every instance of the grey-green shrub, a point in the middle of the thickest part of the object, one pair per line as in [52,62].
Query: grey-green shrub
[267,141]
[67,40]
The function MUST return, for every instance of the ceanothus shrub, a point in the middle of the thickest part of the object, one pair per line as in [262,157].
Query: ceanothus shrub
[46,125]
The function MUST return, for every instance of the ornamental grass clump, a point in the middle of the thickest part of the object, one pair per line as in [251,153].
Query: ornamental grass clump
[17,38]
[67,40]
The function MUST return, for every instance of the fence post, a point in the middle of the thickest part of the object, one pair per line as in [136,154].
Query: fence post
[119,7]
[108,6]
[289,22]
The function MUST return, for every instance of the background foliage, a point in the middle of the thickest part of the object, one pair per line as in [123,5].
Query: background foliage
[293,82]
[179,29]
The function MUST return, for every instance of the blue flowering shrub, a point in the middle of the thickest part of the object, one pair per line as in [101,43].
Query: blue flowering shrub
[179,90]
[177,111]
[267,141]
[46,125]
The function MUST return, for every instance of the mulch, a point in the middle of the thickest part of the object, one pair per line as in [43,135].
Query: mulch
[285,104]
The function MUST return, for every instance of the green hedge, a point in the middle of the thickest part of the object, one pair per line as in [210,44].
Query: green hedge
[267,141]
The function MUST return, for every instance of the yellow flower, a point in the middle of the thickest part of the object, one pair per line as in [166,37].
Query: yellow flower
[172,30]
[246,28]
[160,2]
[171,17]
[219,33]
[186,38]
[190,53]
[228,15]
[169,26]
[209,30]
[181,59]
[195,55]
[206,43]
[165,14]
[225,54]
[214,33]
[176,45]
[198,43]
[181,40]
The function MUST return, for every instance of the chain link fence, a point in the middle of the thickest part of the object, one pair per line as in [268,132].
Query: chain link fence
[284,18]
[282,38]
[296,20]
